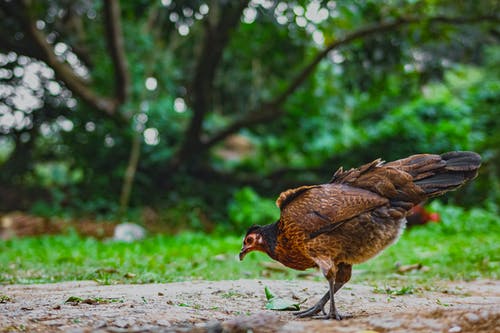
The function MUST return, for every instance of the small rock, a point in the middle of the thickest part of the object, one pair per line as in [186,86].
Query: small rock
[471,317]
[484,314]
[220,257]
[128,232]
[384,323]
[433,325]
[455,329]
[417,325]
[123,323]
[74,329]
[163,322]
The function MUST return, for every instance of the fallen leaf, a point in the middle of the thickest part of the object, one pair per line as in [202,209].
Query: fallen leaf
[73,299]
[280,304]
[408,268]
[268,293]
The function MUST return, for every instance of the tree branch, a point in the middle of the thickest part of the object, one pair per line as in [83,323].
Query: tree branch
[215,40]
[272,110]
[114,37]
[71,29]
[267,112]
[63,71]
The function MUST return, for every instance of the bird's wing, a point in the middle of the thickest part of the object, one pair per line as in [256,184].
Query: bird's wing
[385,179]
[322,208]
[287,196]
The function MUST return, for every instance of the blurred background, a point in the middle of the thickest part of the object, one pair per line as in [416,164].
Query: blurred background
[196,114]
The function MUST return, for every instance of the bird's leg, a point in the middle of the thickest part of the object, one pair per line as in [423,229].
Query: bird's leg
[316,308]
[320,306]
[336,279]
[333,314]
[341,277]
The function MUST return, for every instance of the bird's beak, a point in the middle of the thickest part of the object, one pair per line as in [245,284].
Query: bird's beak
[243,252]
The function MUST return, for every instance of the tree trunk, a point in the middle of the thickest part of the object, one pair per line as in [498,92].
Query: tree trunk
[128,177]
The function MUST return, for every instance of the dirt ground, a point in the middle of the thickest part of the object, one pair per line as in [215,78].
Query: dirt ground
[238,306]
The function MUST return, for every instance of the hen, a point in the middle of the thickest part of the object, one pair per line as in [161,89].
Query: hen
[355,216]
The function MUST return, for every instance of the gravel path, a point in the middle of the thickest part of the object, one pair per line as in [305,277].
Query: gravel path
[238,306]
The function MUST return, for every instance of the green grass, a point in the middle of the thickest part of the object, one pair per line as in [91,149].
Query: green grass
[465,245]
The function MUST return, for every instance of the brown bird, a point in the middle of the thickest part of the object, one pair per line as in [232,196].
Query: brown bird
[355,216]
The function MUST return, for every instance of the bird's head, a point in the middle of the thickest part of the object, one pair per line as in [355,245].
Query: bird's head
[253,241]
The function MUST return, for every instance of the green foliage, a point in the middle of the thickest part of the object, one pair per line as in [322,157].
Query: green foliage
[6,148]
[56,174]
[5,298]
[465,245]
[248,208]
[405,290]
[424,87]
[187,214]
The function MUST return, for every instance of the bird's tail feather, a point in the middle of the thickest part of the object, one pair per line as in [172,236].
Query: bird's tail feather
[438,174]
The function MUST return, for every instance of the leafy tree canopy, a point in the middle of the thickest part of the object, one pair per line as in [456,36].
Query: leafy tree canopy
[107,104]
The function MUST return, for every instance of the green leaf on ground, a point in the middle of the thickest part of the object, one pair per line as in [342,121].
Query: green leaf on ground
[280,304]
[269,295]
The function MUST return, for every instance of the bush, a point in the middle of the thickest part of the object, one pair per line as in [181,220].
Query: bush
[248,208]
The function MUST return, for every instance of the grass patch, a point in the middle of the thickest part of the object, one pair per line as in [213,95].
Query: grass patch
[404,290]
[465,245]
[75,300]
[160,258]
[5,299]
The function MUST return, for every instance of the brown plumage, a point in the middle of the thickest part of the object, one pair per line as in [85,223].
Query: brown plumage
[355,216]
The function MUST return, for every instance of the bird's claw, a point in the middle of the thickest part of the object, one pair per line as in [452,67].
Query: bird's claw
[335,315]
[311,312]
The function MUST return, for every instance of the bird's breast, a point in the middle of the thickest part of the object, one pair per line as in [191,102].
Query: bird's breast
[290,252]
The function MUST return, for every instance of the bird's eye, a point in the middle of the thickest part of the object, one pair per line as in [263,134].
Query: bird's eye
[249,240]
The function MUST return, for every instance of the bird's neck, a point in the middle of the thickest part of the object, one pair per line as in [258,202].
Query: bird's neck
[270,234]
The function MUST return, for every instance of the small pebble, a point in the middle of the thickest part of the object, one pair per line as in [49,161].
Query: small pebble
[484,314]
[387,324]
[471,317]
[124,323]
[455,329]
[163,322]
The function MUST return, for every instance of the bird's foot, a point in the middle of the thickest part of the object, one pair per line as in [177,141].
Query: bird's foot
[312,311]
[334,315]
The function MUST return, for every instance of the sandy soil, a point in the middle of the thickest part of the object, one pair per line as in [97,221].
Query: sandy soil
[238,306]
